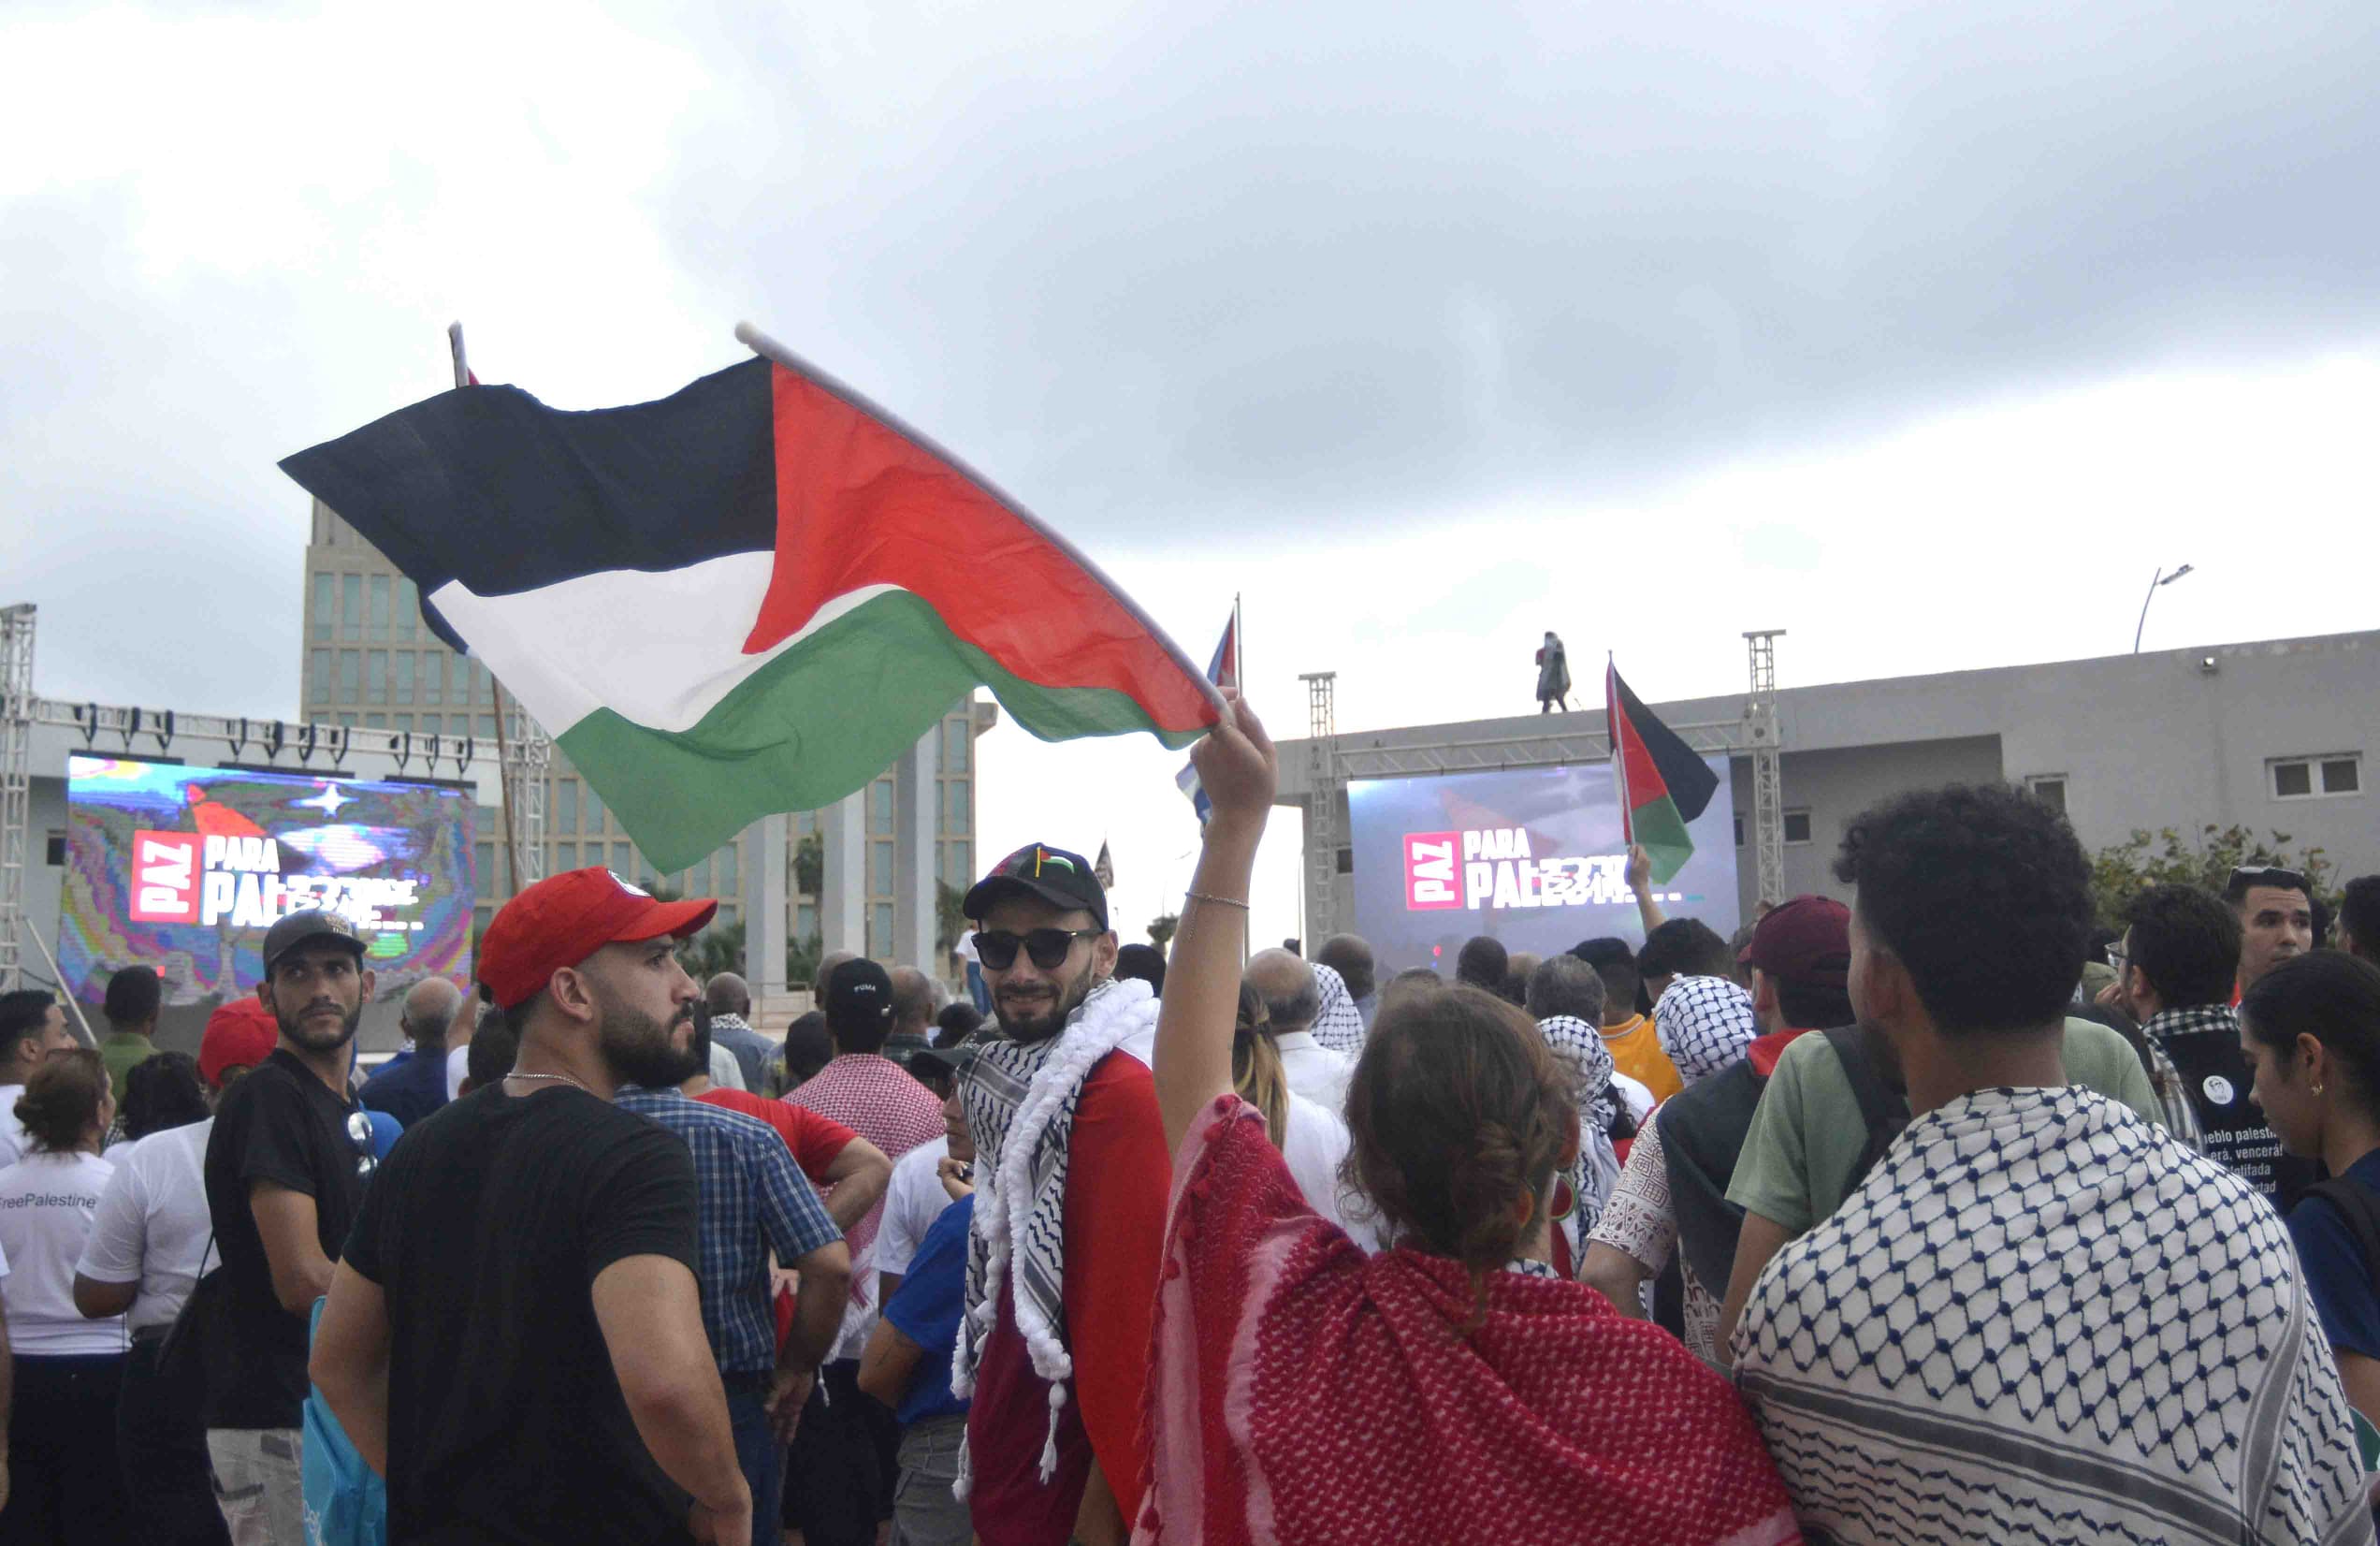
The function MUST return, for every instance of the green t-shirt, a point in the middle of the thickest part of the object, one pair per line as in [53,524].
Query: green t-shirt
[1806,1133]
[120,1050]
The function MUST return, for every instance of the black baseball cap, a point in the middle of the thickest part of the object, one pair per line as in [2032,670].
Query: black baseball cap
[859,997]
[299,928]
[945,1062]
[1057,877]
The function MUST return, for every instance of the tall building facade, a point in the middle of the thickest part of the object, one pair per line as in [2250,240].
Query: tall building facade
[370,660]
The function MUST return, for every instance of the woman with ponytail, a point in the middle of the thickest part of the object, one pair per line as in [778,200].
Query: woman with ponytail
[1450,1388]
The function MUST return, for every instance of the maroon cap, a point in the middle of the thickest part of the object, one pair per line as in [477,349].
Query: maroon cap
[565,918]
[1806,941]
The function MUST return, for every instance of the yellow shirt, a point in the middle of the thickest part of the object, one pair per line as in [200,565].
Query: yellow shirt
[1636,1051]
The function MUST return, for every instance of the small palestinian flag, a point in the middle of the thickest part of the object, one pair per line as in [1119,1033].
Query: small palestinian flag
[1103,869]
[1663,782]
[748,597]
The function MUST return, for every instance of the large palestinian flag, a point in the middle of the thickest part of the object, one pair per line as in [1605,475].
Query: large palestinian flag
[1663,782]
[748,597]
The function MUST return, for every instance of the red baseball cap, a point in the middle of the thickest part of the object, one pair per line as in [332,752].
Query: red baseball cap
[1806,941]
[565,918]
[240,1034]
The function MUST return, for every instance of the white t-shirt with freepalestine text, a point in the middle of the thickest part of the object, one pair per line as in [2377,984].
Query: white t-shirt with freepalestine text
[152,1225]
[47,1202]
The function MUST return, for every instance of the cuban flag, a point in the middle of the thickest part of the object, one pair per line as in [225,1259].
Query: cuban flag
[1223,671]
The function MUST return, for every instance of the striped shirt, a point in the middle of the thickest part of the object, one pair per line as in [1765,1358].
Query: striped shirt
[753,1202]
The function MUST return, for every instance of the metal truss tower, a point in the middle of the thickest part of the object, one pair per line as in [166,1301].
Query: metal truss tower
[1768,787]
[1321,809]
[16,780]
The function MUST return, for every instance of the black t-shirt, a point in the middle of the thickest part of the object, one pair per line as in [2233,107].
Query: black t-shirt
[280,1124]
[2215,1070]
[486,1229]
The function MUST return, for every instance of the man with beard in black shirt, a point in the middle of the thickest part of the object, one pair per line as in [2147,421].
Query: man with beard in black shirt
[286,1168]
[514,1336]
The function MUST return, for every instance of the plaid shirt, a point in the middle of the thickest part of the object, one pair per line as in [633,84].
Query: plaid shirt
[752,1202]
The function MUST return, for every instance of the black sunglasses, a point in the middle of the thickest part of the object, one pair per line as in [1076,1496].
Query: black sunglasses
[1048,947]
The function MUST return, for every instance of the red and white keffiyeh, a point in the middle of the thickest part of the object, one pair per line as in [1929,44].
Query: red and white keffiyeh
[1300,1390]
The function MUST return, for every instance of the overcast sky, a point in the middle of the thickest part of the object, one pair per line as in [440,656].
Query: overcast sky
[1927,332]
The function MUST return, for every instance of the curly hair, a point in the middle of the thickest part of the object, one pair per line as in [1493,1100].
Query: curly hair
[1455,1112]
[1982,893]
[162,1093]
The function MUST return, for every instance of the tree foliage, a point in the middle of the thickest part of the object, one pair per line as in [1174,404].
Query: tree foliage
[2165,857]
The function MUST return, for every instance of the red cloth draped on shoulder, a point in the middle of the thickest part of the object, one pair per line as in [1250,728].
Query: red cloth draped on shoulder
[1300,1390]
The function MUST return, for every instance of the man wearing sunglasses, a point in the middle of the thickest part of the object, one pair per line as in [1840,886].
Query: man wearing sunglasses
[1070,1155]
[2275,908]
[286,1168]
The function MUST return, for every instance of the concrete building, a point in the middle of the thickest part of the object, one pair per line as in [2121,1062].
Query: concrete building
[2275,737]
[369,659]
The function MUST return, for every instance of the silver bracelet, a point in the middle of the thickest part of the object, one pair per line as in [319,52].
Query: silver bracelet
[1219,901]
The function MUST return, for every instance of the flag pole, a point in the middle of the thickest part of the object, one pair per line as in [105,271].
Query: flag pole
[503,763]
[1620,758]
[771,350]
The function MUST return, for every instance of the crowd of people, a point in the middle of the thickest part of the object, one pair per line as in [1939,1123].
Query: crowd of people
[1943,1215]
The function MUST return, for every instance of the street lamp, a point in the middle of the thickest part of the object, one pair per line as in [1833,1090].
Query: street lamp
[2161,579]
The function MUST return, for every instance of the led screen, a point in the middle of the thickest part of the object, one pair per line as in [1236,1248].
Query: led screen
[1532,856]
[183,869]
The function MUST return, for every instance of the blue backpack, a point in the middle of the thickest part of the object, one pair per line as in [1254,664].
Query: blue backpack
[346,1501]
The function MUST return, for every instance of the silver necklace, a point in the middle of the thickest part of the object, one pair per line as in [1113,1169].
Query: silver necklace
[563,1077]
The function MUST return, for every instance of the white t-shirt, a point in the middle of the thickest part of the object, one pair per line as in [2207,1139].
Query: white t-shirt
[1313,1144]
[913,1199]
[12,1134]
[152,1227]
[47,1202]
[1316,1072]
[457,1069]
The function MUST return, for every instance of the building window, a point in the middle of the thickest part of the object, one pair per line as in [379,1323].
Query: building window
[486,853]
[433,678]
[375,676]
[805,922]
[2317,778]
[400,721]
[880,869]
[486,731]
[726,869]
[1346,861]
[351,674]
[325,603]
[318,676]
[565,817]
[2049,789]
[1739,829]
[879,931]
[351,607]
[408,617]
[594,822]
[954,746]
[623,860]
[1797,826]
[954,806]
[375,722]
[405,662]
[880,807]
[565,858]
[380,606]
[53,852]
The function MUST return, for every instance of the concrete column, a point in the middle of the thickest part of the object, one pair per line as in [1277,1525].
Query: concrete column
[915,797]
[843,890]
[764,904]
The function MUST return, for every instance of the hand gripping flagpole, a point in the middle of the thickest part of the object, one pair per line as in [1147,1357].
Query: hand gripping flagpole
[770,349]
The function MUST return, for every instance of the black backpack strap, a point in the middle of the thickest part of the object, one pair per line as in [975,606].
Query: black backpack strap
[1883,1107]
[2362,1206]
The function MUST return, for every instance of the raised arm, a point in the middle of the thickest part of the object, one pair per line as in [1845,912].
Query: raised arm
[1640,882]
[1235,768]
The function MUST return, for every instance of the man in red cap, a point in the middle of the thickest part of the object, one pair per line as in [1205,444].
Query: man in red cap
[514,1336]
[1670,1199]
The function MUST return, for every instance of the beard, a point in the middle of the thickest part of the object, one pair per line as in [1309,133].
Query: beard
[1038,1018]
[638,1050]
[296,1031]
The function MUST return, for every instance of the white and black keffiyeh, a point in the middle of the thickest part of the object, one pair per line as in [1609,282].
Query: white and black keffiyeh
[1705,1024]
[1339,1027]
[1020,1099]
[2039,1319]
[1581,1050]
